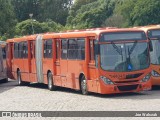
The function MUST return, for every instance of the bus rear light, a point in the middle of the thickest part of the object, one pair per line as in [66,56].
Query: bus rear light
[155,74]
[106,80]
[146,78]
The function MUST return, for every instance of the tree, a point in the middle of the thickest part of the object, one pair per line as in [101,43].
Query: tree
[23,8]
[91,15]
[56,10]
[114,21]
[146,12]
[7,19]
[26,27]
[77,5]
[139,12]
[125,8]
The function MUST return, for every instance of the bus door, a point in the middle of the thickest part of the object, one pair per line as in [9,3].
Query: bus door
[73,66]
[25,61]
[57,70]
[48,56]
[64,61]
[32,62]
[93,81]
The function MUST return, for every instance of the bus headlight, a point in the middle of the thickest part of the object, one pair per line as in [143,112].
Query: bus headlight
[155,74]
[106,80]
[146,78]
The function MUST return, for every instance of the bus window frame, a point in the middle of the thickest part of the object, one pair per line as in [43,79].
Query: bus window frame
[64,49]
[57,45]
[46,44]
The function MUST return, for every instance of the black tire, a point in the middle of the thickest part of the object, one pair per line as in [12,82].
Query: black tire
[84,88]
[20,82]
[51,85]
[5,80]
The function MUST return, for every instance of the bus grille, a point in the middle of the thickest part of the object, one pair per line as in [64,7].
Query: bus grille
[126,81]
[127,88]
[133,76]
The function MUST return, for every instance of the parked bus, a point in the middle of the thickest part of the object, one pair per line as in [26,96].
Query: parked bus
[153,32]
[103,60]
[3,75]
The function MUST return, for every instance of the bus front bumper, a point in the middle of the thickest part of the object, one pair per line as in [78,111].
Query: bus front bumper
[124,88]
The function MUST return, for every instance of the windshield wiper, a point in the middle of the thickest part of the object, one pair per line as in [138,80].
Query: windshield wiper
[132,48]
[116,48]
[130,51]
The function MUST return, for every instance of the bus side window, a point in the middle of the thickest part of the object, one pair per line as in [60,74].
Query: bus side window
[81,48]
[57,49]
[91,47]
[16,52]
[44,48]
[96,52]
[72,49]
[48,50]
[4,52]
[32,49]
[20,50]
[64,48]
[25,50]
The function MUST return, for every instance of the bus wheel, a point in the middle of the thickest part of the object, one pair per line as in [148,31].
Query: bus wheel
[84,89]
[51,86]
[5,80]
[20,82]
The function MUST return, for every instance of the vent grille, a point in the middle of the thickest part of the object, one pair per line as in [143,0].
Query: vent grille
[126,81]
[133,76]
[127,88]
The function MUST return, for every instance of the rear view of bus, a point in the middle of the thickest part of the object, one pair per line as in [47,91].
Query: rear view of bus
[153,33]
[124,61]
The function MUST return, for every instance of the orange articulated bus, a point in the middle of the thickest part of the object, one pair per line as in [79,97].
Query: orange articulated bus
[153,33]
[105,60]
[3,68]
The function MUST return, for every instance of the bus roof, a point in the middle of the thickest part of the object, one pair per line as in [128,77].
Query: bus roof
[75,33]
[148,27]
[24,38]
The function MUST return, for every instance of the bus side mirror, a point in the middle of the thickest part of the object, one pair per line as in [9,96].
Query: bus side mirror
[150,46]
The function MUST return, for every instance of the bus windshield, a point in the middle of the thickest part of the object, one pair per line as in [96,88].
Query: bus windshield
[155,54]
[154,33]
[124,57]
